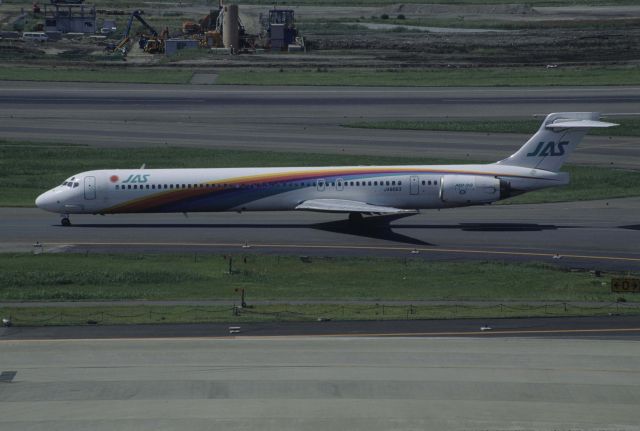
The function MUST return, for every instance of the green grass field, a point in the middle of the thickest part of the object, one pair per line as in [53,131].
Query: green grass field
[73,277]
[524,76]
[113,315]
[65,277]
[28,169]
[627,126]
[99,74]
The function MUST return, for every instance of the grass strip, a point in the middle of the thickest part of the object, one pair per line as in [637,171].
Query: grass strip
[120,75]
[445,77]
[27,169]
[627,126]
[461,2]
[322,25]
[113,315]
[77,277]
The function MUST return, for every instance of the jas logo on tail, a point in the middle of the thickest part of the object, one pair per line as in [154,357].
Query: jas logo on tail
[545,149]
[137,179]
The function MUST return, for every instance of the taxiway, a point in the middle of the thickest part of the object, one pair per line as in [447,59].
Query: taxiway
[592,235]
[302,119]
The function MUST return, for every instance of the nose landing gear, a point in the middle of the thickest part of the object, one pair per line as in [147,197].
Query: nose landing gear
[64,221]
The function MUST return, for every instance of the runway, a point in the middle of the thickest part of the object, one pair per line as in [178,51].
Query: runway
[302,119]
[591,235]
[317,383]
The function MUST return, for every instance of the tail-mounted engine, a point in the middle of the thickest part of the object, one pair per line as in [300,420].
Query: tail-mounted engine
[473,189]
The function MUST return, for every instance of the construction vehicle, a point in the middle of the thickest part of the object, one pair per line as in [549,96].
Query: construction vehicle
[208,29]
[281,28]
[151,42]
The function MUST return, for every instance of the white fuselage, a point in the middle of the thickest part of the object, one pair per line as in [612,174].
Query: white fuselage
[281,189]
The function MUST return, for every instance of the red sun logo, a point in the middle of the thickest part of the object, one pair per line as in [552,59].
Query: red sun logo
[114,178]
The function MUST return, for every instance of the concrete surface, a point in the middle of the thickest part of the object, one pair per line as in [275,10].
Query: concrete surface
[303,383]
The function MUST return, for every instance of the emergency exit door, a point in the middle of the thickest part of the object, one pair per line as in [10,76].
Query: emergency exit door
[414,185]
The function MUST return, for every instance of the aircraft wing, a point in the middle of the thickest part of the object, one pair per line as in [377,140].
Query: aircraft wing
[346,206]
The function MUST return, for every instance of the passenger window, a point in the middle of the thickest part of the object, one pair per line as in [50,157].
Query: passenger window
[117,187]
[435,183]
[393,183]
[129,186]
[387,182]
[399,183]
[429,182]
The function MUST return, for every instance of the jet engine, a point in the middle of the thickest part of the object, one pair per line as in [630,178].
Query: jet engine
[473,189]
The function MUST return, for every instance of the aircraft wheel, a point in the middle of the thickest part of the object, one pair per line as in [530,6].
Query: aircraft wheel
[65,222]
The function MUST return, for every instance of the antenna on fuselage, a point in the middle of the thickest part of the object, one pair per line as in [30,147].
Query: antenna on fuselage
[143,166]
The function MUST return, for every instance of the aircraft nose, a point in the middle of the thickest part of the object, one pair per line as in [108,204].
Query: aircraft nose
[46,202]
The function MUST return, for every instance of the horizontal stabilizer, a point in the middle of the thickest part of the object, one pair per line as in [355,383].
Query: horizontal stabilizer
[346,206]
[561,123]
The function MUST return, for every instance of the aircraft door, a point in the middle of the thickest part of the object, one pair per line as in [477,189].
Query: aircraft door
[339,184]
[89,188]
[414,185]
[321,185]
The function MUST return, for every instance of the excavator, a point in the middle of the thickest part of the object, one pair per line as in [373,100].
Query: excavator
[152,42]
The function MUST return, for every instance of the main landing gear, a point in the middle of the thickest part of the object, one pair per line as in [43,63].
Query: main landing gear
[64,221]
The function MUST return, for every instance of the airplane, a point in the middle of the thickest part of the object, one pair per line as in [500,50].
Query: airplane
[355,190]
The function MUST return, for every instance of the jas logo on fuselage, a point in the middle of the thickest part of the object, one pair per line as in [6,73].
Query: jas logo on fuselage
[137,179]
[545,149]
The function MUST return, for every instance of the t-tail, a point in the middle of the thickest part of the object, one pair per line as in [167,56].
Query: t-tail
[558,136]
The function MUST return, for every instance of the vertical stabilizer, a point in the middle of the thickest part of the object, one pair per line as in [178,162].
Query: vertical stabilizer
[556,138]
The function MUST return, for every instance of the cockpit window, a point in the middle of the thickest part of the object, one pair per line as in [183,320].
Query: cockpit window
[71,183]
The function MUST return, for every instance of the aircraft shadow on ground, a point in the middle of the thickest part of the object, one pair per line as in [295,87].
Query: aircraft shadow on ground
[381,231]
[488,227]
[631,227]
